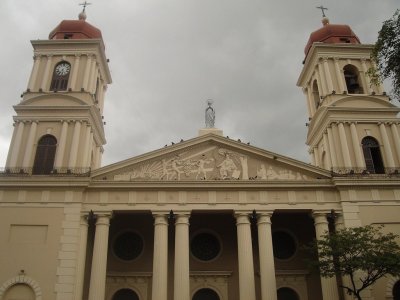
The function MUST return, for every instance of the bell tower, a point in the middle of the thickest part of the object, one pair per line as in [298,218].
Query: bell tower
[353,126]
[59,126]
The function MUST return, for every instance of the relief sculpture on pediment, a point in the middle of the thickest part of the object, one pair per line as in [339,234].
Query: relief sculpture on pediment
[210,163]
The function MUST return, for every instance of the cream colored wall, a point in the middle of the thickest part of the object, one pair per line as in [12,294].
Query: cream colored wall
[30,239]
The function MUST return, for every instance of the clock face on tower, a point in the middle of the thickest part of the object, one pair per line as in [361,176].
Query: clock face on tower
[62,69]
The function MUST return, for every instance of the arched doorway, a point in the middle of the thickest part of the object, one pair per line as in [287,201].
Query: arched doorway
[205,294]
[125,294]
[286,293]
[396,291]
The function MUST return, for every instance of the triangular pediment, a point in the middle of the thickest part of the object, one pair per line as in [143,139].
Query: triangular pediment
[210,157]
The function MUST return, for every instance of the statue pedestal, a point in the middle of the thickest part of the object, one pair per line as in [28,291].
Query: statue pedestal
[205,131]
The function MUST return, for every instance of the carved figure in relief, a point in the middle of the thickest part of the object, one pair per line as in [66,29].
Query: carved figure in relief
[272,174]
[201,166]
[262,172]
[245,168]
[228,167]
[164,169]
[174,163]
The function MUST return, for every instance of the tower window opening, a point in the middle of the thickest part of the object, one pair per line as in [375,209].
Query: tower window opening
[60,78]
[351,76]
[45,155]
[372,155]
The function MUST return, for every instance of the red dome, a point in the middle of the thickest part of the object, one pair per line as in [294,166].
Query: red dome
[332,34]
[75,29]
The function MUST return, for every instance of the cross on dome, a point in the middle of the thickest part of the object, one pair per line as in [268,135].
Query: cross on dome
[84,4]
[322,8]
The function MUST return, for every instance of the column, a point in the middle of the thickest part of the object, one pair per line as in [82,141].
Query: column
[396,139]
[15,149]
[357,147]
[366,80]
[99,260]
[339,224]
[86,146]
[316,157]
[61,146]
[328,75]
[327,149]
[339,75]
[245,256]
[160,257]
[319,84]
[34,73]
[74,145]
[87,72]
[322,78]
[93,77]
[46,74]
[311,152]
[310,101]
[75,70]
[80,266]
[29,145]
[89,151]
[386,145]
[267,264]
[344,145]
[328,285]
[181,266]
[332,148]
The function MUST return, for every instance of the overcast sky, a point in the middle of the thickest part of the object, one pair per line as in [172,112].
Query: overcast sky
[167,57]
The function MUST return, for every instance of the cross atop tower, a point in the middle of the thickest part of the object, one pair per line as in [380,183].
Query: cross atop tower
[323,10]
[84,4]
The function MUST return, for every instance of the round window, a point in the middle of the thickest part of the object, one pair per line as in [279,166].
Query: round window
[205,246]
[205,294]
[128,245]
[125,294]
[284,245]
[286,293]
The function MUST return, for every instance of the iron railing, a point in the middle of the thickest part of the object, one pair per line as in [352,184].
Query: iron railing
[60,172]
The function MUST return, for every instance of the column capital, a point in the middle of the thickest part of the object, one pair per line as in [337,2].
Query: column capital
[336,59]
[49,55]
[37,56]
[320,216]
[242,218]
[78,55]
[84,219]
[264,217]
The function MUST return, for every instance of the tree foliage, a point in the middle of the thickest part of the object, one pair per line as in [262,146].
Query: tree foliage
[386,54]
[362,254]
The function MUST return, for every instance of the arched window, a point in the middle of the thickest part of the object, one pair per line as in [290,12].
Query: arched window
[286,293]
[351,76]
[315,93]
[372,155]
[205,294]
[396,291]
[45,154]
[125,294]
[61,72]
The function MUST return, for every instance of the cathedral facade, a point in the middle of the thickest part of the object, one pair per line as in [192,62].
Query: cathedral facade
[208,218]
